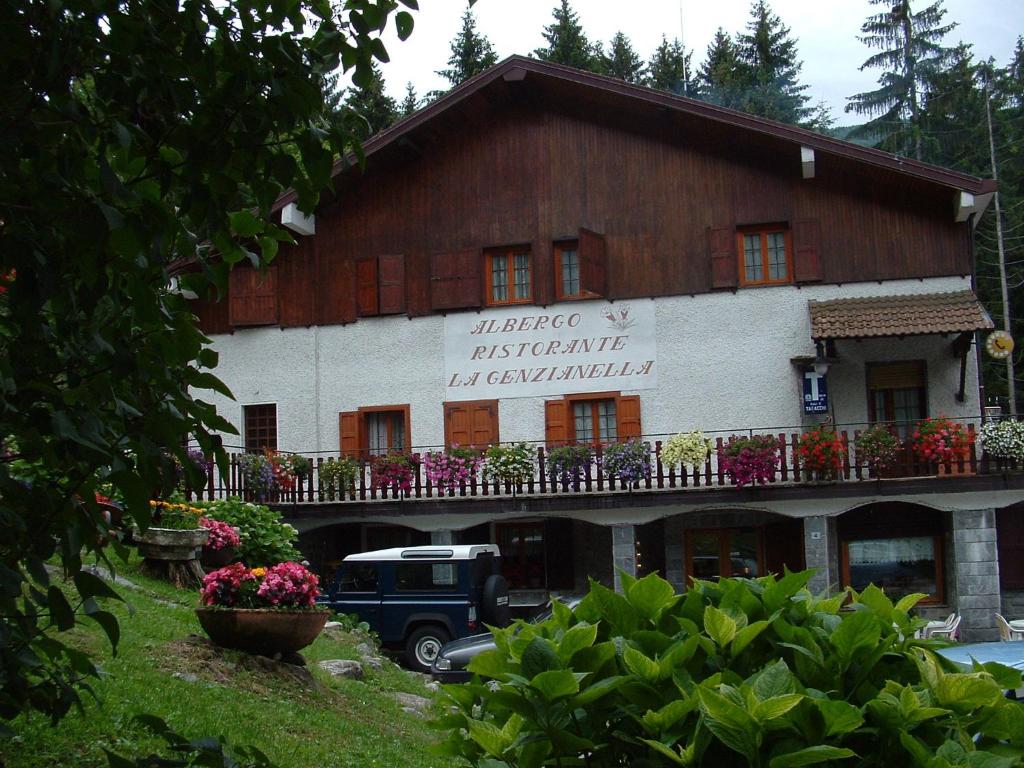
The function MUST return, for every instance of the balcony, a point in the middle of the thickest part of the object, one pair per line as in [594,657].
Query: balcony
[851,477]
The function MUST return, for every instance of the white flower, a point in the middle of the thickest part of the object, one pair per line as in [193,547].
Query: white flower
[686,448]
[1003,439]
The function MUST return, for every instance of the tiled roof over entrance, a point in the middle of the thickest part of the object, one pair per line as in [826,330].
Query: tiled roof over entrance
[907,315]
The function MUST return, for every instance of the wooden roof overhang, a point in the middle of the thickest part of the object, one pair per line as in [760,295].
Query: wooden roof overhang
[523,82]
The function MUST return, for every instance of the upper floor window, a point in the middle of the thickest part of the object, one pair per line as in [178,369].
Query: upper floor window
[374,430]
[567,270]
[764,254]
[508,276]
[260,427]
[897,394]
[595,420]
[385,432]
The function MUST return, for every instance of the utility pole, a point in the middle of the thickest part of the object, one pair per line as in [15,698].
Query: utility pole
[1011,381]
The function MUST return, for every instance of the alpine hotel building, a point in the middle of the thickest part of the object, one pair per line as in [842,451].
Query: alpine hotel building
[551,256]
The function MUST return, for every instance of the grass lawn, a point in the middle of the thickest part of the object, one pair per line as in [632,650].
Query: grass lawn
[340,723]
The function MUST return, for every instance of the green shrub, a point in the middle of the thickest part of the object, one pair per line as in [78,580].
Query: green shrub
[735,673]
[265,539]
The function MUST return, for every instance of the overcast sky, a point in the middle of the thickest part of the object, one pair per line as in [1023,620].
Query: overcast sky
[826,33]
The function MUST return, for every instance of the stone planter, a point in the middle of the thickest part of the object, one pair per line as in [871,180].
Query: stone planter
[173,554]
[264,631]
[212,559]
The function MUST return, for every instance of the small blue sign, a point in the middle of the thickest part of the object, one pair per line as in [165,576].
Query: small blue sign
[815,392]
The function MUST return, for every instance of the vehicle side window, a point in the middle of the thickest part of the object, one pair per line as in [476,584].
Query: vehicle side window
[426,577]
[358,577]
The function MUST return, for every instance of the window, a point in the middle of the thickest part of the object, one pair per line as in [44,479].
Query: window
[426,577]
[522,554]
[711,554]
[358,577]
[764,256]
[595,421]
[260,427]
[374,431]
[567,271]
[602,417]
[508,276]
[896,394]
[901,566]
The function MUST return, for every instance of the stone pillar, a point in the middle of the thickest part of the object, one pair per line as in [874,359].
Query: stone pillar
[820,553]
[976,573]
[442,538]
[623,551]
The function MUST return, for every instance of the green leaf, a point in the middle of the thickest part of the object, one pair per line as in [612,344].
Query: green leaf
[575,639]
[640,665]
[774,680]
[730,723]
[557,683]
[856,631]
[666,751]
[746,636]
[876,600]
[108,623]
[60,609]
[811,756]
[489,664]
[539,656]
[598,689]
[776,707]
[245,223]
[651,596]
[488,736]
[719,625]
[840,716]
[90,585]
[907,602]
[404,24]
[963,693]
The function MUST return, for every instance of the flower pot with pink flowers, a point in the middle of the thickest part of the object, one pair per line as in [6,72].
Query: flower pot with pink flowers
[222,545]
[941,443]
[750,460]
[266,611]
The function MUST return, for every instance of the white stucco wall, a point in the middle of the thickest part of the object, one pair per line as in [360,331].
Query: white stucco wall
[723,364]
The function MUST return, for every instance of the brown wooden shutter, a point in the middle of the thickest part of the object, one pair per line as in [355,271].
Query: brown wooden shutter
[455,279]
[593,263]
[348,433]
[628,410]
[807,251]
[471,424]
[366,286]
[724,258]
[908,374]
[391,273]
[253,296]
[295,280]
[556,422]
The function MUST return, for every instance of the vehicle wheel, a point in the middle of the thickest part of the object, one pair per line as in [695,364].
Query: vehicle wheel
[494,608]
[423,646]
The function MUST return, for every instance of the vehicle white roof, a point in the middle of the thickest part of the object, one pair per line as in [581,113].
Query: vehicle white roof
[441,552]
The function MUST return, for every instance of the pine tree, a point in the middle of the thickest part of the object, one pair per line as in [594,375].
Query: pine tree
[567,43]
[909,54]
[472,53]
[670,70]
[410,103]
[373,104]
[770,69]
[622,61]
[721,77]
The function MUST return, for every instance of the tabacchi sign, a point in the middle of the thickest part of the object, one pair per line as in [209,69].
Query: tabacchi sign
[531,351]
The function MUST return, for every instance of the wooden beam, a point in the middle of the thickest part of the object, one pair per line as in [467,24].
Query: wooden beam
[963,205]
[297,221]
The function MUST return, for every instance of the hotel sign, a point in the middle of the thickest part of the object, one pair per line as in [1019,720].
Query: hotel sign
[530,351]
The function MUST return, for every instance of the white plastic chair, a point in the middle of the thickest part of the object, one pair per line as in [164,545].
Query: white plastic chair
[948,632]
[1007,632]
[937,624]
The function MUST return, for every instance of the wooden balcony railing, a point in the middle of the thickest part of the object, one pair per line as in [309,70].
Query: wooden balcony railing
[592,478]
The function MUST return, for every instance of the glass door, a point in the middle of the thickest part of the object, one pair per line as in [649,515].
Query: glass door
[714,553]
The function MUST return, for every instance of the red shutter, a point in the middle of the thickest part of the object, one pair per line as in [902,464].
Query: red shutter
[455,279]
[593,263]
[807,251]
[391,271]
[628,410]
[724,258]
[556,422]
[253,296]
[348,433]
[473,423]
[366,286]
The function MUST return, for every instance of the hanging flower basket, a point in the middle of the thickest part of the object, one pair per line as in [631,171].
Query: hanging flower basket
[877,449]
[821,452]
[750,460]
[628,462]
[451,469]
[567,464]
[941,441]
[686,449]
[1003,440]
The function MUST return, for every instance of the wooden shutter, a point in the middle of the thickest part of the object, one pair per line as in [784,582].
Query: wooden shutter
[908,374]
[628,416]
[556,422]
[593,263]
[455,279]
[391,284]
[348,433]
[253,296]
[366,286]
[471,424]
[724,258]
[807,251]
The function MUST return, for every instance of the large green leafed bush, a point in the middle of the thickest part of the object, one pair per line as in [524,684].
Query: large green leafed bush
[734,673]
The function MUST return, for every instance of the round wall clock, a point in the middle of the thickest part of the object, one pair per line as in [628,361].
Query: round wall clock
[999,345]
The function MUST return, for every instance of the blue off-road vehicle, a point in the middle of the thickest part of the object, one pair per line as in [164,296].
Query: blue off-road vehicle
[419,598]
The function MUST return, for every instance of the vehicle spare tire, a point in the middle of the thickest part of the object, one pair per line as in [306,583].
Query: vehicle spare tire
[494,601]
